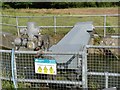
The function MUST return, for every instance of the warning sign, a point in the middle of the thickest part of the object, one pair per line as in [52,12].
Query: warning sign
[45,66]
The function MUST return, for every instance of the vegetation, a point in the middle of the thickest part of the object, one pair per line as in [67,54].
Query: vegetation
[61,21]
[58,5]
[98,62]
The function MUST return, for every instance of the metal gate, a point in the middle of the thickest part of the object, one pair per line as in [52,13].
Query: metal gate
[98,67]
[20,65]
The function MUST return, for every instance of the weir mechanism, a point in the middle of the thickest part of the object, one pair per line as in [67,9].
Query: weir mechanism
[69,66]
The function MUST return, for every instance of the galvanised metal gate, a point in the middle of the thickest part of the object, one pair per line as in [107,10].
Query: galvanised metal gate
[103,64]
[98,67]
[21,65]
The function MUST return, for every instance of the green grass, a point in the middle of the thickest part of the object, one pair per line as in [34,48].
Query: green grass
[60,32]
[94,62]
[61,21]
[49,21]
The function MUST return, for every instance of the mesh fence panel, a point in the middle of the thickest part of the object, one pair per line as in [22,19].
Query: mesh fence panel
[103,70]
[6,64]
[114,81]
[65,78]
[103,63]
[6,71]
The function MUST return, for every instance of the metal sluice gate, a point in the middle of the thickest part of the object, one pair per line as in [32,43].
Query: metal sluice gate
[74,41]
[70,66]
[67,64]
[68,53]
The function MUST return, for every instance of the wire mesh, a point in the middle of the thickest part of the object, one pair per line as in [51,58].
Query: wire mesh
[65,78]
[6,71]
[114,81]
[103,64]
[103,70]
[6,64]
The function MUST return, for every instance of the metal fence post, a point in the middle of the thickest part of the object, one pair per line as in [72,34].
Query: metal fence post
[104,25]
[17,25]
[54,24]
[106,79]
[13,64]
[84,70]
[54,17]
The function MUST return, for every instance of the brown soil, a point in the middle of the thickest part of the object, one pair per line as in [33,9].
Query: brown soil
[73,11]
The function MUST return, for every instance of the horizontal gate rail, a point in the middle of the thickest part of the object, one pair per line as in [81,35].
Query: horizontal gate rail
[103,74]
[92,46]
[51,81]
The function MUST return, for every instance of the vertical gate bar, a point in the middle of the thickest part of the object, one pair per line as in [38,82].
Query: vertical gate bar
[0,83]
[17,26]
[13,68]
[104,25]
[106,80]
[84,70]
[0,71]
[1,56]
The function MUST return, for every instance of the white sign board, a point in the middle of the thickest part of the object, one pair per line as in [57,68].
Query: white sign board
[45,66]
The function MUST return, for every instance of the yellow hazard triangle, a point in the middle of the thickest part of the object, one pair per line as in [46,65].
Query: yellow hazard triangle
[51,70]
[39,70]
[45,70]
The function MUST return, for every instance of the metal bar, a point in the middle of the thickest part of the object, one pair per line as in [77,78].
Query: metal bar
[53,53]
[89,15]
[35,16]
[13,69]
[0,71]
[89,73]
[106,80]
[115,37]
[70,26]
[54,24]
[55,28]
[25,16]
[34,52]
[49,27]
[104,26]
[7,16]
[44,81]
[112,88]
[92,46]
[79,64]
[4,78]
[7,24]
[84,69]
[17,26]
[50,81]
[107,26]
[103,74]
[0,83]
[59,15]
[5,51]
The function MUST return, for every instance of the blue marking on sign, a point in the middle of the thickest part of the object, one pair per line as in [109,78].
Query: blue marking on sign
[48,61]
